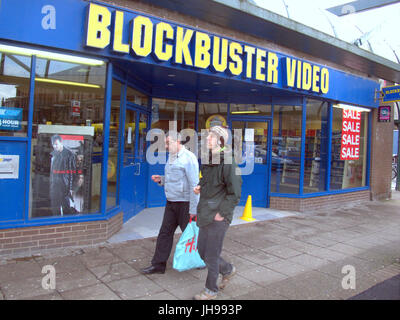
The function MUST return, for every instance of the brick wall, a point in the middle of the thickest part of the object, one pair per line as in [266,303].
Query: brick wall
[309,204]
[381,157]
[31,240]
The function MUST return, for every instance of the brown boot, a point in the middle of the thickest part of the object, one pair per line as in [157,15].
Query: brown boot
[226,278]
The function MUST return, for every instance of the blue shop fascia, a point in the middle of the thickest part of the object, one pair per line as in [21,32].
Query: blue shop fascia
[90,79]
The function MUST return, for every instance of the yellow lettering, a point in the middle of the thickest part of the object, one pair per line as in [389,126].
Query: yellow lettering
[272,67]
[306,76]
[260,64]
[142,27]
[161,29]
[298,74]
[220,56]
[98,21]
[249,60]
[235,67]
[202,54]
[118,28]
[290,72]
[324,80]
[315,78]
[182,46]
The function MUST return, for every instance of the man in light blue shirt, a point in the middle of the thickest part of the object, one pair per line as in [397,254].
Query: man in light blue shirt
[181,176]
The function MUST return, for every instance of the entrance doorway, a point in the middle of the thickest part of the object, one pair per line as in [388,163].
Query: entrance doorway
[134,168]
[256,178]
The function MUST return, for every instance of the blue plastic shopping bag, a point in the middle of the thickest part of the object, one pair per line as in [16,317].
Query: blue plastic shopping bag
[186,256]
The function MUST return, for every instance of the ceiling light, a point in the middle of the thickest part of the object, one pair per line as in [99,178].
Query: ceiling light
[253,90]
[206,90]
[245,112]
[216,82]
[345,106]
[170,84]
[50,55]
[70,83]
[171,75]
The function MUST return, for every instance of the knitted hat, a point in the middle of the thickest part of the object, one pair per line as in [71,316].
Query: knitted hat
[221,133]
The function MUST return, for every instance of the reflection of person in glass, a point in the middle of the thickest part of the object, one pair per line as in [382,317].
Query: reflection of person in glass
[78,193]
[63,169]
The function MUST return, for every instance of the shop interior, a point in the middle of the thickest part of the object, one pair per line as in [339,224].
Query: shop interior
[69,97]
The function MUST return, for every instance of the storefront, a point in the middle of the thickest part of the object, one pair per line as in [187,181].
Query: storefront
[83,82]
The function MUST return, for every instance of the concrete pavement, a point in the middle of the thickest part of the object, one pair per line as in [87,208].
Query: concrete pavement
[295,257]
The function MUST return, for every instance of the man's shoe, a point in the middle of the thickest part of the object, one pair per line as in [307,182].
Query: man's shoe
[152,269]
[226,278]
[205,296]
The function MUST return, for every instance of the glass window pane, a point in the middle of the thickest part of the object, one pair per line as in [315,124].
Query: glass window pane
[129,148]
[181,112]
[67,142]
[14,94]
[113,145]
[286,144]
[316,146]
[142,145]
[136,97]
[349,173]
[210,114]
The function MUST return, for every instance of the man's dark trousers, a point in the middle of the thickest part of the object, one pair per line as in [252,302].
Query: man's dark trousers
[175,214]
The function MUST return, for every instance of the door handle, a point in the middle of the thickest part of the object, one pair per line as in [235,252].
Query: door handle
[137,172]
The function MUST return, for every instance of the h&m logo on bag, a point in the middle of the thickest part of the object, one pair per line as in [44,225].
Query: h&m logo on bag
[191,244]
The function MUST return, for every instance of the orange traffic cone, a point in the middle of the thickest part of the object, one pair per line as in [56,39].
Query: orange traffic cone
[247,212]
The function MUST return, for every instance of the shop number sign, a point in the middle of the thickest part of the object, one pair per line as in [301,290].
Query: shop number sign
[351,127]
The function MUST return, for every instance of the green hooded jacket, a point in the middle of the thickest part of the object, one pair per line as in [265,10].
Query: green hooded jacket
[220,191]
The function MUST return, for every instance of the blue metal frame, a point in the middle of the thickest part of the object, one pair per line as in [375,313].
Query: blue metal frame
[29,136]
[317,194]
[329,151]
[106,139]
[269,120]
[121,138]
[302,145]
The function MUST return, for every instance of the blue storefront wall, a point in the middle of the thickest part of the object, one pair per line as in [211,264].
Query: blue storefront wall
[65,25]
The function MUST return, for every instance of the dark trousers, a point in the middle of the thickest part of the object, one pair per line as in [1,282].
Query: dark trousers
[209,244]
[175,214]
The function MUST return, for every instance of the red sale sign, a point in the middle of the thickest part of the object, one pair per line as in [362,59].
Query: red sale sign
[351,127]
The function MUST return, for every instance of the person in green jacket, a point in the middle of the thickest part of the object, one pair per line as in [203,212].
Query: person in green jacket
[220,189]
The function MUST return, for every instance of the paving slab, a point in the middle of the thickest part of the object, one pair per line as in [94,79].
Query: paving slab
[98,291]
[288,256]
[134,287]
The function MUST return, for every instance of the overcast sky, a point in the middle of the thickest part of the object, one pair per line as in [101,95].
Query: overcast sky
[384,22]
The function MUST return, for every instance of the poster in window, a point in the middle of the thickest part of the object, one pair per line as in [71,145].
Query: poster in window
[351,128]
[62,171]
[66,174]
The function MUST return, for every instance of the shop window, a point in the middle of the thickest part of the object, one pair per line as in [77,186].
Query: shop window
[251,109]
[67,138]
[316,146]
[173,115]
[349,147]
[113,145]
[286,146]
[210,114]
[14,94]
